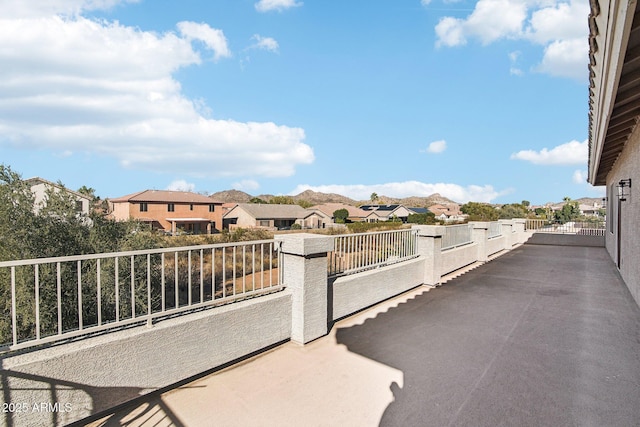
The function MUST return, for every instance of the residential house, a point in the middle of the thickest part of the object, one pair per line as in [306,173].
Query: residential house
[448,213]
[354,214]
[269,216]
[40,187]
[614,137]
[376,213]
[173,212]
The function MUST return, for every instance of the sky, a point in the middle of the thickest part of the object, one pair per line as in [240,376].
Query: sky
[481,101]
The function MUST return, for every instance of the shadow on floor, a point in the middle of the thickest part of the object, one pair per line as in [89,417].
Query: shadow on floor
[544,335]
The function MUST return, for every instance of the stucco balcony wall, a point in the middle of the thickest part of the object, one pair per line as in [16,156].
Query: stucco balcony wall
[355,292]
[456,258]
[95,374]
[495,245]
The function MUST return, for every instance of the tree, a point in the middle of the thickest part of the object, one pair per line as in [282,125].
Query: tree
[282,200]
[374,197]
[570,211]
[305,204]
[513,210]
[480,211]
[340,216]
[425,218]
[257,200]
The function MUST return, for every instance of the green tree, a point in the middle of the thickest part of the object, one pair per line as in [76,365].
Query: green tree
[340,216]
[305,204]
[513,210]
[480,211]
[570,211]
[257,200]
[282,200]
[425,218]
[374,197]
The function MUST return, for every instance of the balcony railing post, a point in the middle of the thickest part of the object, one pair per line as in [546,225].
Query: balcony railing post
[507,233]
[430,248]
[480,235]
[519,227]
[304,264]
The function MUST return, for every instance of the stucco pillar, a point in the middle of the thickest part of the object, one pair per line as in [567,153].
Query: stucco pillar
[519,225]
[430,248]
[506,226]
[480,235]
[304,264]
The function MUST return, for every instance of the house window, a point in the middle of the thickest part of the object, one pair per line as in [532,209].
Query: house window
[143,207]
[78,205]
[191,207]
[212,207]
[264,223]
[171,207]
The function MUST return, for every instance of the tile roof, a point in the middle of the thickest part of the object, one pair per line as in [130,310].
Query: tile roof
[165,196]
[270,211]
[330,208]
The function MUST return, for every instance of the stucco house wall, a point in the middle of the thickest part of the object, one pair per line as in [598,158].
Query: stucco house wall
[627,166]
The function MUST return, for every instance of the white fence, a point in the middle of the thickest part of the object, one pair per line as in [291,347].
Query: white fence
[59,298]
[456,235]
[591,228]
[495,229]
[363,251]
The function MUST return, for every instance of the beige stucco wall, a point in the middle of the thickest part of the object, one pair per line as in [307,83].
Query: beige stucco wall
[358,291]
[40,190]
[456,258]
[627,166]
[94,374]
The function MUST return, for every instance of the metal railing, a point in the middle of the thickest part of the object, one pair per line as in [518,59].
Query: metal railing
[58,298]
[363,251]
[590,228]
[456,235]
[495,229]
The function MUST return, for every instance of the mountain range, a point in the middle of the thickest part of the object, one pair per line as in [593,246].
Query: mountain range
[317,198]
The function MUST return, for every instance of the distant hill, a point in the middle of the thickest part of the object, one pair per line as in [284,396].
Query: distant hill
[318,198]
[231,196]
[589,201]
[415,202]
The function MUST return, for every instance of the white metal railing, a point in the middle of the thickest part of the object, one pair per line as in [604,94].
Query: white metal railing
[495,229]
[363,251]
[456,235]
[591,228]
[59,298]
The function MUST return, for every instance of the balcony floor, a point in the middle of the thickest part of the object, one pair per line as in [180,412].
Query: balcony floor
[543,335]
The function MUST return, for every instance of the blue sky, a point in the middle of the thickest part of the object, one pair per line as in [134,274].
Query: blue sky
[481,101]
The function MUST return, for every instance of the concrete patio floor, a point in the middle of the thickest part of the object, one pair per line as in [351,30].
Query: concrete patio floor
[541,336]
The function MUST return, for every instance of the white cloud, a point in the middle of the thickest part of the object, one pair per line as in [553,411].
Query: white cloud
[570,153]
[213,38]
[450,32]
[559,26]
[513,59]
[265,43]
[246,185]
[425,2]
[80,85]
[437,146]
[476,193]
[566,58]
[279,5]
[580,177]
[558,21]
[181,185]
